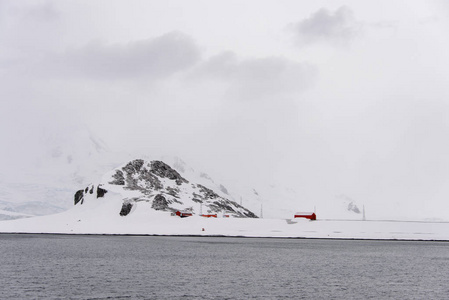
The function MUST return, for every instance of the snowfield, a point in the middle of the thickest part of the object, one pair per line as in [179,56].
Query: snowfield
[128,201]
[102,217]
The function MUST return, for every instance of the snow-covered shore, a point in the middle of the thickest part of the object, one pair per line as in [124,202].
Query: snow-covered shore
[101,217]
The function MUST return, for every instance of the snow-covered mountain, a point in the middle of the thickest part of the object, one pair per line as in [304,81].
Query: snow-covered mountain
[274,200]
[155,183]
[42,181]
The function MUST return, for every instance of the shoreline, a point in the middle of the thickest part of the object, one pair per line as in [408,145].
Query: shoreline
[224,236]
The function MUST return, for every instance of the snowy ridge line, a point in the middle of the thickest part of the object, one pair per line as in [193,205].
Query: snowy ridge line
[227,236]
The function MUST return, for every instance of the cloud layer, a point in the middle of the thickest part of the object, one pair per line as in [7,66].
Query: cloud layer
[152,58]
[261,78]
[338,27]
[229,91]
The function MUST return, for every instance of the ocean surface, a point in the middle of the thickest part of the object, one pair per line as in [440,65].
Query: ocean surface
[145,267]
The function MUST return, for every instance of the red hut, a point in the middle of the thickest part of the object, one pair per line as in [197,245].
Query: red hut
[183,214]
[307,215]
[209,216]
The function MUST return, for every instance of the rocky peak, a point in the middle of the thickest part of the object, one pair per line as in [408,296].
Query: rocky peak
[139,174]
[162,187]
[165,171]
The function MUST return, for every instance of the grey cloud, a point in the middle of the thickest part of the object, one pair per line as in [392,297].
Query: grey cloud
[44,12]
[339,26]
[29,30]
[252,79]
[151,58]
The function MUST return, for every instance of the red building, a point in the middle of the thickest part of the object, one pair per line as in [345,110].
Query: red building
[307,215]
[183,214]
[209,216]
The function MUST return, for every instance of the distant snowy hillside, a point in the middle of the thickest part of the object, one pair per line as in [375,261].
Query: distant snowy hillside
[275,201]
[155,183]
[42,180]
[10,215]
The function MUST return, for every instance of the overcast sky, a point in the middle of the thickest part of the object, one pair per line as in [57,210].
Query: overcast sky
[339,96]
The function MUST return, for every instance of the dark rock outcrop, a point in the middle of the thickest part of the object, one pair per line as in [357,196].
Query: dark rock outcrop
[79,196]
[165,171]
[164,188]
[208,193]
[119,179]
[160,203]
[126,209]
[101,192]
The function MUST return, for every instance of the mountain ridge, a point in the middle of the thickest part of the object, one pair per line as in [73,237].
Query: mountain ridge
[163,188]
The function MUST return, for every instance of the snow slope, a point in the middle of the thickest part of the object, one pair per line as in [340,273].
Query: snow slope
[43,181]
[155,182]
[101,217]
[274,200]
[99,212]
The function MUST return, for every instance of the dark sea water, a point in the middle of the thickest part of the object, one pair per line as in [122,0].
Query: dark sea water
[133,267]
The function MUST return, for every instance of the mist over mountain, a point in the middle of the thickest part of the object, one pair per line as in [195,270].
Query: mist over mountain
[65,160]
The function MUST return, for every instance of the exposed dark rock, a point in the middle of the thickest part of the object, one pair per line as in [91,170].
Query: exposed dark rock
[222,206]
[174,200]
[136,177]
[246,212]
[153,178]
[133,166]
[173,191]
[79,195]
[208,193]
[249,214]
[165,171]
[101,192]
[231,206]
[118,178]
[159,203]
[151,181]
[126,208]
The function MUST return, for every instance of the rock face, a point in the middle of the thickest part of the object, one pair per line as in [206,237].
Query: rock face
[126,209]
[162,187]
[160,203]
[79,195]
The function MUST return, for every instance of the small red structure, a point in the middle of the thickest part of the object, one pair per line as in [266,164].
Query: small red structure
[183,214]
[209,216]
[307,215]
